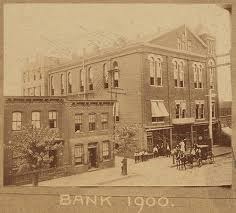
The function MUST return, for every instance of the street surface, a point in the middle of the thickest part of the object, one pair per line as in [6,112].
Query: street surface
[154,172]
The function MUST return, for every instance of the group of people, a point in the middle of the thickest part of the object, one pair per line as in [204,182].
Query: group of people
[157,151]
[161,150]
[141,156]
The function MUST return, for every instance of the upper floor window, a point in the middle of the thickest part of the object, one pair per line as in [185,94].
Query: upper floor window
[213,109]
[180,107]
[92,122]
[189,45]
[90,78]
[52,85]
[38,91]
[16,121]
[104,120]
[115,74]
[211,47]
[105,150]
[62,84]
[34,76]
[69,83]
[52,119]
[78,122]
[212,71]
[105,75]
[197,71]
[178,66]
[36,119]
[82,80]
[24,77]
[199,114]
[155,70]
[116,111]
[79,154]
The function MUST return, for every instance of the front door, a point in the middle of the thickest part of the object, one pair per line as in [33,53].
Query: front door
[92,153]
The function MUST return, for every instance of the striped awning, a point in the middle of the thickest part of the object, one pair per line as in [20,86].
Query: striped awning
[159,109]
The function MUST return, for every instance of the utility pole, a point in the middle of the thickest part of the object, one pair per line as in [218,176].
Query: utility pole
[210,117]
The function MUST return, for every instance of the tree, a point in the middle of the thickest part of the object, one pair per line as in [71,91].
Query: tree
[125,143]
[33,145]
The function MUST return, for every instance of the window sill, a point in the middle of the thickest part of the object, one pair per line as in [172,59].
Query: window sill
[200,119]
[159,122]
[78,132]
[179,87]
[199,88]
[156,86]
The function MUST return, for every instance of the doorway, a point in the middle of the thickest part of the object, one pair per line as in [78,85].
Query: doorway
[92,156]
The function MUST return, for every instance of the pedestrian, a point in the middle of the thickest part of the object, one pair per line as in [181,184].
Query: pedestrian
[146,155]
[155,151]
[182,146]
[135,157]
[168,150]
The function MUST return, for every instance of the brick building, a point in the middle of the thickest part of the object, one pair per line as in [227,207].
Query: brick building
[85,128]
[160,83]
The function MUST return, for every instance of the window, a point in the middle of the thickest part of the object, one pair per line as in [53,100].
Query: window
[34,76]
[155,70]
[213,110]
[181,74]
[92,123]
[38,91]
[105,74]
[69,83]
[176,74]
[199,114]
[152,71]
[90,78]
[16,121]
[79,154]
[52,119]
[62,84]
[189,45]
[178,66]
[178,44]
[24,77]
[36,119]
[157,119]
[158,72]
[197,70]
[106,150]
[104,120]
[52,85]
[78,122]
[180,107]
[115,74]
[116,111]
[82,80]
[211,65]
[40,75]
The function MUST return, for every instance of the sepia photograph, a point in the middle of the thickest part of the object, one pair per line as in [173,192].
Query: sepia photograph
[117,95]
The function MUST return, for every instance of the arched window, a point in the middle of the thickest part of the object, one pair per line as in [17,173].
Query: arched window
[52,85]
[181,74]
[90,78]
[211,65]
[105,75]
[69,83]
[82,80]
[176,73]
[158,72]
[152,70]
[195,73]
[115,74]
[62,84]
[200,76]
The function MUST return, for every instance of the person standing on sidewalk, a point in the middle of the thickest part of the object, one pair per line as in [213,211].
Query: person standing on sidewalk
[182,145]
[155,151]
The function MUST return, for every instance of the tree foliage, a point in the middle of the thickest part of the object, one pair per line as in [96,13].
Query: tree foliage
[125,138]
[32,146]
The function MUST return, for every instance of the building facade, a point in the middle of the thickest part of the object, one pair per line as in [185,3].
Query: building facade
[161,84]
[85,129]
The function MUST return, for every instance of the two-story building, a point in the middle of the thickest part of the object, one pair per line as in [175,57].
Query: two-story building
[85,129]
[161,84]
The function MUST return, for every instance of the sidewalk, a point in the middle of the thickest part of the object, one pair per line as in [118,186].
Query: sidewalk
[221,150]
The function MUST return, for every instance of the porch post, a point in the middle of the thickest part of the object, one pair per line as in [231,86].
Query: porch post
[191,134]
[171,143]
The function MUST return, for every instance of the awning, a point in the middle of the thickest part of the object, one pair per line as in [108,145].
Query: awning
[227,131]
[159,109]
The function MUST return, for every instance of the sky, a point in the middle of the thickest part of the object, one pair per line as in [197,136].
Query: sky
[31,29]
